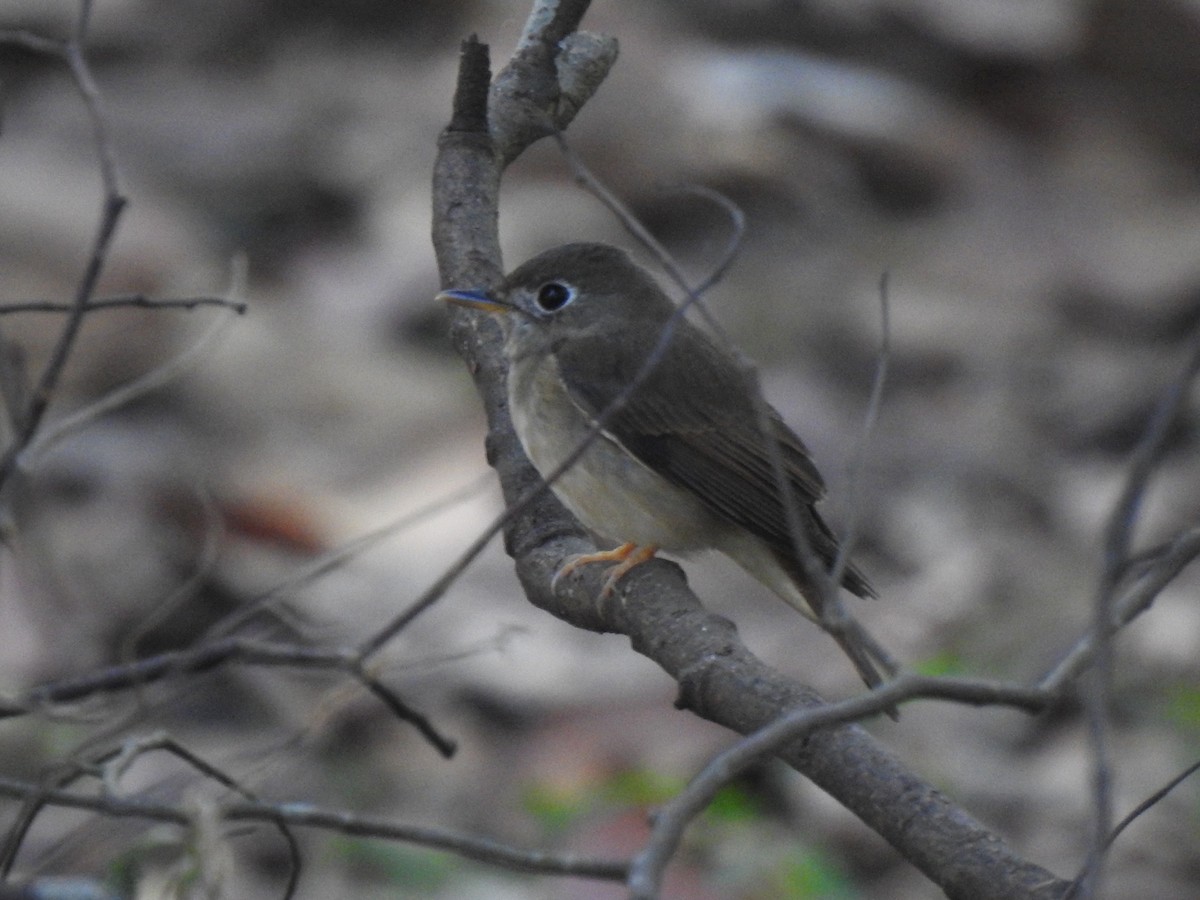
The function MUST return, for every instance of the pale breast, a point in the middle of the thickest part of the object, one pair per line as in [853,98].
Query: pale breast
[608,490]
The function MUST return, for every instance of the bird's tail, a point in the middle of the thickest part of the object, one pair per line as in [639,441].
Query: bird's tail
[866,653]
[869,657]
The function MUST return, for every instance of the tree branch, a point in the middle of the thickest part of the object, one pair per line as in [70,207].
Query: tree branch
[306,815]
[669,822]
[214,654]
[71,51]
[719,678]
[124,301]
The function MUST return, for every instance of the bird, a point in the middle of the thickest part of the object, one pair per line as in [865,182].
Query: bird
[683,465]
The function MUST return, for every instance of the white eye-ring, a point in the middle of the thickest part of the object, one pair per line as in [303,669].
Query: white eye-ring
[553,296]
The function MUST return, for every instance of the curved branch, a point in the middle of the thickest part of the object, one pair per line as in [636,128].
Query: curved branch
[669,822]
[719,678]
[307,815]
[71,51]
[124,301]
[214,654]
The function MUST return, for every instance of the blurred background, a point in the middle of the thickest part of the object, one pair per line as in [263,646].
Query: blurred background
[1027,175]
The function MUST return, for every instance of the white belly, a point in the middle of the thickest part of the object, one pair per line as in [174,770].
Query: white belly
[607,489]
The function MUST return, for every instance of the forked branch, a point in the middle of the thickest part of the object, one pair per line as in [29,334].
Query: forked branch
[719,678]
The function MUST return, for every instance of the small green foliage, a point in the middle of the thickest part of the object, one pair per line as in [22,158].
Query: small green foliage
[945,663]
[555,808]
[399,866]
[733,805]
[641,787]
[1183,707]
[811,875]
[768,865]
[122,874]
[558,807]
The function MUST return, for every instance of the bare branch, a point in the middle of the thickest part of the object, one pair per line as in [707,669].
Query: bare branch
[109,767]
[445,581]
[832,614]
[218,653]
[669,822]
[1083,880]
[1143,464]
[1118,538]
[554,71]
[124,301]
[50,435]
[858,462]
[72,53]
[14,385]
[737,234]
[1138,598]
[719,679]
[336,558]
[305,815]
[693,296]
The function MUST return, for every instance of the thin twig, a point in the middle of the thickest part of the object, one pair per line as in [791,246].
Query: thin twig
[586,179]
[670,821]
[376,642]
[72,53]
[1138,597]
[438,589]
[132,750]
[1118,538]
[733,245]
[306,815]
[1080,879]
[1143,465]
[212,533]
[109,766]
[14,386]
[125,301]
[338,557]
[832,614]
[213,655]
[57,431]
[1152,800]
[855,472]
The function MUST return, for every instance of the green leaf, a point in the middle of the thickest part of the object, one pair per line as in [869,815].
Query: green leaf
[733,804]
[554,807]
[1183,707]
[642,787]
[941,664]
[407,867]
[812,876]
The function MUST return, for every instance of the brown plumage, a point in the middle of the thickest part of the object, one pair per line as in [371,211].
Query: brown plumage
[683,465]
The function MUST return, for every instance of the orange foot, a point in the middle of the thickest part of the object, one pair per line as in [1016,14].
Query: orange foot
[626,557]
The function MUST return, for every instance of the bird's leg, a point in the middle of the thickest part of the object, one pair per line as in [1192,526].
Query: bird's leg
[634,557]
[626,557]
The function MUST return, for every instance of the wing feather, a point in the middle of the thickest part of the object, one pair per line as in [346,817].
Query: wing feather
[694,421]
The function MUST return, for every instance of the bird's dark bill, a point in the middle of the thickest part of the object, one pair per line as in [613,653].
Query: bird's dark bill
[474,300]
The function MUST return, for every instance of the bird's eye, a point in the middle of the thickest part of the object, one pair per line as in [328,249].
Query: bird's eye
[553,296]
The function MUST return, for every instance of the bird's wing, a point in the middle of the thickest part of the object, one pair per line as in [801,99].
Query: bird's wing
[695,422]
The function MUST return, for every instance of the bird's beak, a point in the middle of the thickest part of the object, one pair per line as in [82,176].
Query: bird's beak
[474,300]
